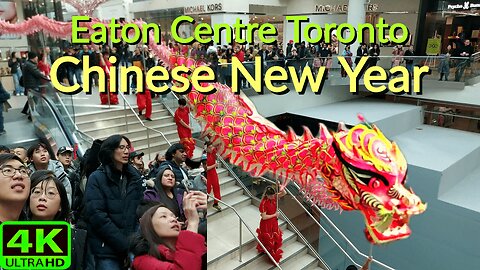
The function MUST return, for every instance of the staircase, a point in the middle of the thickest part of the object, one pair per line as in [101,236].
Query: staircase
[112,121]
[224,230]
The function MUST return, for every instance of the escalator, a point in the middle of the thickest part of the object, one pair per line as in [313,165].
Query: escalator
[52,123]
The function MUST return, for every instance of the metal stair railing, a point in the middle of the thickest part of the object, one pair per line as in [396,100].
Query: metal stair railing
[249,194]
[302,237]
[125,103]
[249,229]
[333,225]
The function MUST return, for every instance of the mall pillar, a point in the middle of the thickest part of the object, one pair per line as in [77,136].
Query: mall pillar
[355,16]
[228,19]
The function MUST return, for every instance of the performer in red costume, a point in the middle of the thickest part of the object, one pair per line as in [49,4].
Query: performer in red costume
[182,119]
[144,101]
[212,176]
[105,64]
[269,233]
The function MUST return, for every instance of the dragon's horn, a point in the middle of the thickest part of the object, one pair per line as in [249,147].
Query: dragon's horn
[324,133]
[291,136]
[342,127]
[307,134]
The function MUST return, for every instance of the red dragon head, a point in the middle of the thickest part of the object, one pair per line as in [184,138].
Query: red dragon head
[369,175]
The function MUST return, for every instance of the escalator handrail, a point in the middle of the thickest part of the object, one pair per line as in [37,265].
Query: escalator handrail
[61,123]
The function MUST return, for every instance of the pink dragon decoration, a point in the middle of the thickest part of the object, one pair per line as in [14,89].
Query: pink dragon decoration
[356,169]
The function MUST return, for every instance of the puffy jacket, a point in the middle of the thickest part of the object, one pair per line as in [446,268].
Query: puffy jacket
[57,168]
[187,255]
[32,77]
[111,201]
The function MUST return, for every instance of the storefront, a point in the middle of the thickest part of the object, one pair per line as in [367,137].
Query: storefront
[452,22]
[334,11]
[210,12]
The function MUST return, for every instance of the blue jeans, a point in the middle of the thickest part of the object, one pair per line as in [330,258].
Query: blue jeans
[108,264]
[78,75]
[409,68]
[70,75]
[16,81]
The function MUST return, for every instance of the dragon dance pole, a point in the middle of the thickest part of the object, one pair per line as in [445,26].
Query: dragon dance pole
[277,190]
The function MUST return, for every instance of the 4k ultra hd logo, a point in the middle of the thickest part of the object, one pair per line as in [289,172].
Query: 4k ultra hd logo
[35,245]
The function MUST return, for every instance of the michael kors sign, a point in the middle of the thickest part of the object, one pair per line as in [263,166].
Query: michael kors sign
[207,8]
[341,8]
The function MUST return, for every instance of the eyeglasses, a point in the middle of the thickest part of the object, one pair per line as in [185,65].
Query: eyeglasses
[50,193]
[123,147]
[9,171]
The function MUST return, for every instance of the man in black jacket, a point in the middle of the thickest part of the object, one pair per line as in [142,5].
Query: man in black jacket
[32,78]
[361,52]
[464,51]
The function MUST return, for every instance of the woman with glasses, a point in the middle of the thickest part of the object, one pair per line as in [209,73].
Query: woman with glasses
[112,195]
[48,198]
[48,202]
[14,187]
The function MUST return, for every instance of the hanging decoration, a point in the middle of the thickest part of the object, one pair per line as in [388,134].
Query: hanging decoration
[85,7]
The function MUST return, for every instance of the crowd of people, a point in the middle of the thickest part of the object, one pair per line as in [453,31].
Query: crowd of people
[128,214]
[123,213]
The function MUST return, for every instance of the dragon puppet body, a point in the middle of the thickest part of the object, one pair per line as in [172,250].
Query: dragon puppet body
[356,169]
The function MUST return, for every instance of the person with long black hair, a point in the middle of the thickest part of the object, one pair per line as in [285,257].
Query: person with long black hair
[112,195]
[162,244]
[268,232]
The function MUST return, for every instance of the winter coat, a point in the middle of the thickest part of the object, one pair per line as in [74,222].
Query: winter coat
[57,168]
[111,201]
[14,66]
[32,77]
[188,254]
